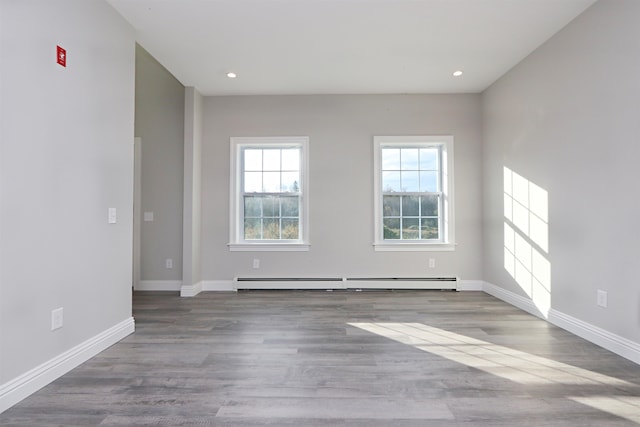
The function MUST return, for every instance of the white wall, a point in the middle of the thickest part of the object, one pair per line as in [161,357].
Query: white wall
[66,157]
[566,119]
[159,121]
[341,131]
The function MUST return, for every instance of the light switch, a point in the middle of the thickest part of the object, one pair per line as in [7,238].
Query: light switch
[148,216]
[56,319]
[113,217]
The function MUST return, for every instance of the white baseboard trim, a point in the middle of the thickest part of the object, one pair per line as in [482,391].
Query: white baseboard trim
[470,285]
[191,290]
[28,383]
[612,342]
[207,286]
[514,299]
[159,285]
[218,285]
[605,339]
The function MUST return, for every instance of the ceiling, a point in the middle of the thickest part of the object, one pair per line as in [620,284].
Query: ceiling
[343,46]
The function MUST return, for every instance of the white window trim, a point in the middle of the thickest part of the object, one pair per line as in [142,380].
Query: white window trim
[235,241]
[448,243]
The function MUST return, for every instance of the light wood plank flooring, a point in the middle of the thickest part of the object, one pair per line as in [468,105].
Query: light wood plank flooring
[314,358]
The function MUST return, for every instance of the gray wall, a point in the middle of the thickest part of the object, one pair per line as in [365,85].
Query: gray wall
[192,227]
[566,119]
[66,156]
[341,130]
[159,121]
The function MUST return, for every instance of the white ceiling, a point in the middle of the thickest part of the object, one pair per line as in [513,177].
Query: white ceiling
[343,46]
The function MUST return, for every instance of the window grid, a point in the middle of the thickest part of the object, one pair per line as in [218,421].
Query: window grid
[271,224]
[263,215]
[428,226]
[425,224]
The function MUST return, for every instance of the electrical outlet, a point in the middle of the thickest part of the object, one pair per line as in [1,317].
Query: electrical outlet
[432,263]
[168,263]
[56,319]
[256,263]
[602,299]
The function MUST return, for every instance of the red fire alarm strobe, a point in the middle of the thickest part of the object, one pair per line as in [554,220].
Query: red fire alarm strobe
[62,56]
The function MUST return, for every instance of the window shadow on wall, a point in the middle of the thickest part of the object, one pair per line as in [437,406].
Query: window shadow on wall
[526,238]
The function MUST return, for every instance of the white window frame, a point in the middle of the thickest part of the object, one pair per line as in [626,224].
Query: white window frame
[236,220]
[447,240]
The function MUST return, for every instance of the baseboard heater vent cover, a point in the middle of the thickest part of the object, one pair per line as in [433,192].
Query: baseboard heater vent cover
[438,283]
[288,283]
[442,283]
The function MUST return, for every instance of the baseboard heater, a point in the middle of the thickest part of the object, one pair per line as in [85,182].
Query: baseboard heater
[442,283]
[436,283]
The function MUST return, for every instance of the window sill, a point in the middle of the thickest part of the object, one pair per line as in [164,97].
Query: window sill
[269,247]
[414,247]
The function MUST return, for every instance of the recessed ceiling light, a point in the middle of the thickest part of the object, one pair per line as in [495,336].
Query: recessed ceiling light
[232,75]
[457,73]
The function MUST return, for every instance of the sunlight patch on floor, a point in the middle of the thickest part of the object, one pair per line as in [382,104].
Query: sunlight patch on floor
[623,406]
[504,362]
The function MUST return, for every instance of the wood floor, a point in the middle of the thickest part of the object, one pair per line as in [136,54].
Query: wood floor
[287,358]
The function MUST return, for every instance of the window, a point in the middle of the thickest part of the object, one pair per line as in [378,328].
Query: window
[269,203]
[413,193]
